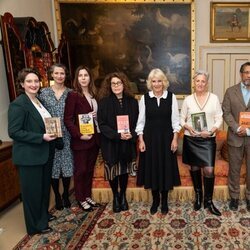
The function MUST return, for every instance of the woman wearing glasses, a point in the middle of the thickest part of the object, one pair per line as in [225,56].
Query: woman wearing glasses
[118,146]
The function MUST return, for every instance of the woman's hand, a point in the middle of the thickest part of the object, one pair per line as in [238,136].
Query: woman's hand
[126,136]
[191,131]
[174,145]
[205,134]
[142,146]
[49,137]
[93,114]
[86,137]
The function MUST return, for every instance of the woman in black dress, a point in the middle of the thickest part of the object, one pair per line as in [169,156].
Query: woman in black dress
[118,148]
[158,127]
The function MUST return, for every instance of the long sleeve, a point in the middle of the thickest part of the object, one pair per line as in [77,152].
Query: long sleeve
[70,116]
[175,115]
[105,128]
[141,118]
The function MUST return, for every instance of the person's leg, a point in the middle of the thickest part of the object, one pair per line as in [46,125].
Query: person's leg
[65,195]
[164,202]
[116,198]
[123,181]
[35,204]
[58,199]
[235,157]
[208,176]
[195,173]
[80,173]
[156,201]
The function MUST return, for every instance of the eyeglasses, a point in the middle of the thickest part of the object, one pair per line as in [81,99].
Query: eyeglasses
[246,72]
[116,83]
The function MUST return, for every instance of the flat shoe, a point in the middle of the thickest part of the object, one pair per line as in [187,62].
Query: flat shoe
[85,206]
[92,203]
[51,217]
[46,230]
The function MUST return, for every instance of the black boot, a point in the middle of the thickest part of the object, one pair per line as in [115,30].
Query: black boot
[58,199]
[123,180]
[116,197]
[208,195]
[196,178]
[65,195]
[156,201]
[164,202]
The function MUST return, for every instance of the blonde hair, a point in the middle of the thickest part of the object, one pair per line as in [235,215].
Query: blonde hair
[157,73]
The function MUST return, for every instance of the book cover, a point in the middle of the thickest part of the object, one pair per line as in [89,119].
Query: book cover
[244,119]
[199,121]
[53,126]
[122,123]
[86,124]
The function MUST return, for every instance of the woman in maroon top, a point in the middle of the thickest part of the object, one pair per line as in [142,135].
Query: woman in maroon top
[85,147]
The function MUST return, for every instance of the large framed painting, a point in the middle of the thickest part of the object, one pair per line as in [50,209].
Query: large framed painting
[230,22]
[133,37]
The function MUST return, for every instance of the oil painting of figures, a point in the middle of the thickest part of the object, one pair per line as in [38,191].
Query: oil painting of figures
[133,38]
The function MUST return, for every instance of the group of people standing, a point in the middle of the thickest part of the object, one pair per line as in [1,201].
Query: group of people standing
[42,159]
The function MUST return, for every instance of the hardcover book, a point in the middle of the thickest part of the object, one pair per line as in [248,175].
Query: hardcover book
[122,123]
[244,119]
[199,121]
[53,126]
[86,124]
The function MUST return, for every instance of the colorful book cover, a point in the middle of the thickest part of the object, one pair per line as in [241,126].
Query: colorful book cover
[86,124]
[122,123]
[199,121]
[53,126]
[244,119]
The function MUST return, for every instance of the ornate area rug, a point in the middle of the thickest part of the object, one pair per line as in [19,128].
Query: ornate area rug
[71,229]
[181,228]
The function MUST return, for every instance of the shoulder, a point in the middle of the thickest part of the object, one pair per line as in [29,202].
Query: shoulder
[73,94]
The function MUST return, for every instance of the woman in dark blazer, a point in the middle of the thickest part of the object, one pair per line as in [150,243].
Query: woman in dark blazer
[32,151]
[118,147]
[85,147]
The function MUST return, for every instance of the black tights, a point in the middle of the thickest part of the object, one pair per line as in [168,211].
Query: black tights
[207,171]
[123,182]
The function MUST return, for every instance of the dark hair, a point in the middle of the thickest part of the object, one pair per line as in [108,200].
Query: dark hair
[59,65]
[22,74]
[105,89]
[242,68]
[76,85]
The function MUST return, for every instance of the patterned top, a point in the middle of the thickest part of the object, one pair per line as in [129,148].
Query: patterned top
[63,161]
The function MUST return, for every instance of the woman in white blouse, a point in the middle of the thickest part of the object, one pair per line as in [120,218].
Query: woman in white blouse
[201,117]
[158,127]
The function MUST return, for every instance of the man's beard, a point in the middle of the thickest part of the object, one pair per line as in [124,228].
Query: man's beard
[247,82]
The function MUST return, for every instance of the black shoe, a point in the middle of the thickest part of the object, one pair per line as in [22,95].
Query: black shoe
[164,209]
[46,230]
[51,217]
[92,203]
[123,202]
[198,200]
[59,204]
[212,208]
[248,205]
[65,201]
[116,204]
[85,206]
[234,204]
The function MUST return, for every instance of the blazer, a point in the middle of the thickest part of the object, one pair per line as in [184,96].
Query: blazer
[26,128]
[76,104]
[233,103]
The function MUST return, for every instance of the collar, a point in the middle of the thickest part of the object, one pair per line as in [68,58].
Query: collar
[164,95]
[243,86]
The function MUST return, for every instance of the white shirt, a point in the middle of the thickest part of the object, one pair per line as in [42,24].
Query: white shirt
[212,108]
[142,116]
[42,110]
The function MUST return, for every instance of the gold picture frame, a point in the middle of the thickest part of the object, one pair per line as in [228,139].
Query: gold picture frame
[99,27]
[230,22]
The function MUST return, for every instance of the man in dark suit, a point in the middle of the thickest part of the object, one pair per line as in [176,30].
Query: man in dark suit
[236,100]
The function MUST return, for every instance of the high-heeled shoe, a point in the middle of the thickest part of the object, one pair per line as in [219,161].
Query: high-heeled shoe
[92,203]
[85,206]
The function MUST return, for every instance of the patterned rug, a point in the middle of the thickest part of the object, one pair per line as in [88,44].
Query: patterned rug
[181,228]
[70,230]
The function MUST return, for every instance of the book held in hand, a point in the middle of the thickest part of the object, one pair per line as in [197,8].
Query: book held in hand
[244,119]
[53,126]
[122,124]
[199,121]
[86,124]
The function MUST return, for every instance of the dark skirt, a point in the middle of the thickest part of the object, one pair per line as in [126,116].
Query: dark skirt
[198,151]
